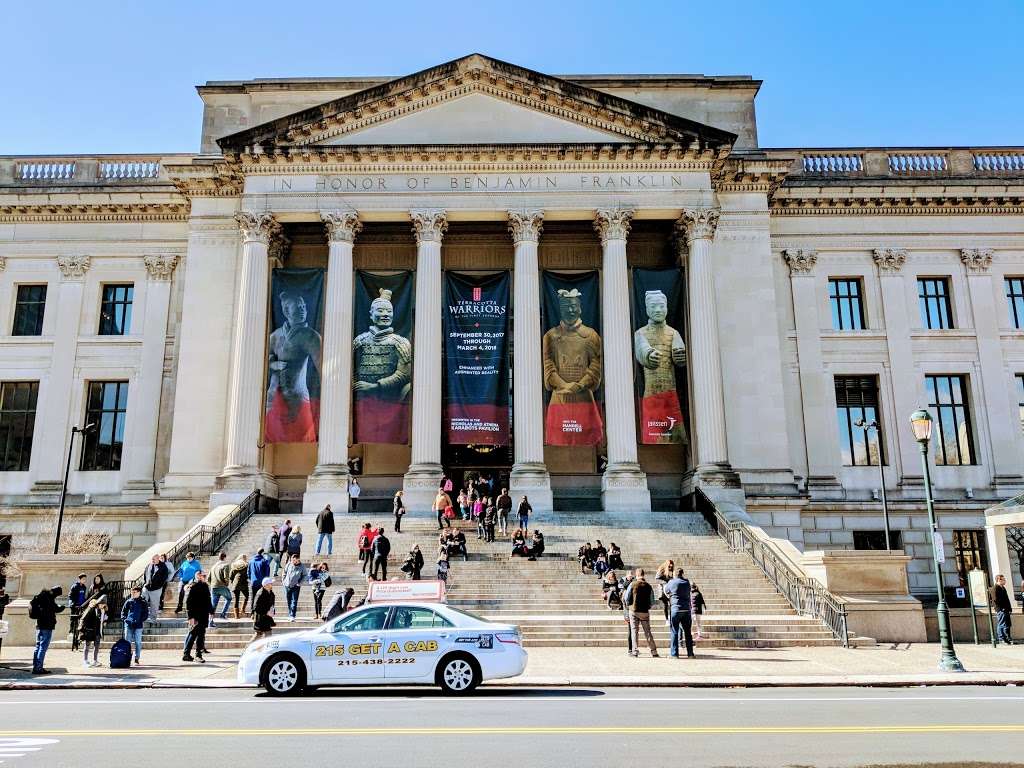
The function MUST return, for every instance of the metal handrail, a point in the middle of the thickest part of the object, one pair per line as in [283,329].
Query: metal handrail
[807,596]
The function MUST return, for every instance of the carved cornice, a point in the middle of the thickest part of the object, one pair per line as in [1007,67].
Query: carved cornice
[429,224]
[525,226]
[699,223]
[103,212]
[74,267]
[257,226]
[751,174]
[342,226]
[801,261]
[613,223]
[976,259]
[160,266]
[890,259]
[205,179]
[965,205]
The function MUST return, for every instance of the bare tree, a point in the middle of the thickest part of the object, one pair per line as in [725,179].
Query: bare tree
[1015,541]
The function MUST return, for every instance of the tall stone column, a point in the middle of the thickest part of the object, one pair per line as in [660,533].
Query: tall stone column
[145,417]
[422,479]
[712,455]
[242,473]
[529,473]
[51,447]
[624,485]
[329,482]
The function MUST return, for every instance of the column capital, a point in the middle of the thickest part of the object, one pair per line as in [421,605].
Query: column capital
[525,225]
[801,261]
[976,259]
[890,259]
[699,223]
[429,224]
[257,226]
[342,226]
[160,266]
[74,267]
[613,223]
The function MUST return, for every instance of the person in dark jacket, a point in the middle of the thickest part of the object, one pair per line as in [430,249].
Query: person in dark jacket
[615,557]
[626,591]
[44,609]
[259,569]
[77,596]
[536,545]
[640,600]
[380,549]
[134,613]
[1001,602]
[154,579]
[524,513]
[199,609]
[325,530]
[272,548]
[415,561]
[294,544]
[340,602]
[398,507]
[99,587]
[262,608]
[490,520]
[238,582]
[679,594]
[504,505]
[90,629]
[697,599]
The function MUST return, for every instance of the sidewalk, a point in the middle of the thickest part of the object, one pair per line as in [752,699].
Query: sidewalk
[882,665]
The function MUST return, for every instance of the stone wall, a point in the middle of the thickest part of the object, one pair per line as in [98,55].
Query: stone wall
[132,529]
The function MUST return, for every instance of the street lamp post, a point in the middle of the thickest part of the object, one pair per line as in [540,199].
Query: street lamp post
[866,425]
[921,423]
[64,487]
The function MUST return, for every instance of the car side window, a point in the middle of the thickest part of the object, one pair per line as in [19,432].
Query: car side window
[363,621]
[418,618]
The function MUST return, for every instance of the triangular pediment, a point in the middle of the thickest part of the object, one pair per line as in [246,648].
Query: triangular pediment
[476,100]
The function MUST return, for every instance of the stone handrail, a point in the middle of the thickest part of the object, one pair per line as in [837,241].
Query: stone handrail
[74,170]
[911,162]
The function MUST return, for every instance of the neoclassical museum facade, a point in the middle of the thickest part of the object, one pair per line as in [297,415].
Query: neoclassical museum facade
[599,289]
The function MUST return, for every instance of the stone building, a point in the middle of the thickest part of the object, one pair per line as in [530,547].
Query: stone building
[816,288]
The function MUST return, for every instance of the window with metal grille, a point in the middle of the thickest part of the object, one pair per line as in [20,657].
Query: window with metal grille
[856,399]
[971,553]
[17,424]
[28,310]
[1015,298]
[116,310]
[845,296]
[952,441]
[106,406]
[933,296]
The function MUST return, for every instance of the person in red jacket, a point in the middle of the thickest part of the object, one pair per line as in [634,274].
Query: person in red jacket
[365,542]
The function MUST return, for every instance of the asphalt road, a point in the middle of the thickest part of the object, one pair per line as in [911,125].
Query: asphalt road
[518,727]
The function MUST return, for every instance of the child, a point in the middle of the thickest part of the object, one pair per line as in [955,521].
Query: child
[442,569]
[697,603]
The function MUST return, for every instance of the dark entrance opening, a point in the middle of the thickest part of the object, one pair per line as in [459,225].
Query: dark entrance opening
[463,463]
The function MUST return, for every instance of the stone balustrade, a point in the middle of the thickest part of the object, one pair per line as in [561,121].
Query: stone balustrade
[83,169]
[909,163]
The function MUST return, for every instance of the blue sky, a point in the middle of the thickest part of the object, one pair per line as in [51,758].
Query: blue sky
[110,77]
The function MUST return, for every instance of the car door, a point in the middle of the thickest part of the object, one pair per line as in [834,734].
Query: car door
[416,639]
[352,650]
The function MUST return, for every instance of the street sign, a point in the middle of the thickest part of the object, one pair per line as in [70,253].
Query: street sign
[940,550]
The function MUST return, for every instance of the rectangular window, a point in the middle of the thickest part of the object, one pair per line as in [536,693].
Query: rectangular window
[952,442]
[856,400]
[1020,399]
[876,540]
[17,423]
[106,406]
[1015,298]
[933,295]
[969,547]
[116,310]
[845,296]
[28,310]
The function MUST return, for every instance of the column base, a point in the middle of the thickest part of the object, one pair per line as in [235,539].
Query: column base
[721,485]
[419,486]
[327,485]
[531,479]
[232,487]
[624,489]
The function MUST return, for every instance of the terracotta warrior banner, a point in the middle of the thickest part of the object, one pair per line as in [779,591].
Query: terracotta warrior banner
[382,358]
[293,370]
[571,351]
[476,359]
[658,315]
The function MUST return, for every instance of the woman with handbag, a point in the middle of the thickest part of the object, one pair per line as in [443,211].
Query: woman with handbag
[320,578]
[442,503]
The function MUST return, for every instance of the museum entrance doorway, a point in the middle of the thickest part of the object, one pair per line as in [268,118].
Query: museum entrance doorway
[463,463]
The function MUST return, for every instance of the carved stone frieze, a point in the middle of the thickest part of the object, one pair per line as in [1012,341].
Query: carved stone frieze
[613,223]
[105,212]
[801,261]
[890,259]
[74,267]
[525,226]
[160,266]
[342,226]
[976,259]
[429,224]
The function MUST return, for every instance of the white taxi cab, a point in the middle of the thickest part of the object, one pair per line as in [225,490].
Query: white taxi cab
[389,641]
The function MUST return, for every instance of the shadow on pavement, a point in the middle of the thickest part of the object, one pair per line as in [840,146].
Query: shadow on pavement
[433,693]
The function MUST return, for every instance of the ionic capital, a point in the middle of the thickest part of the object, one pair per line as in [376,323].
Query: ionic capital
[613,223]
[160,266]
[699,223]
[74,267]
[429,224]
[525,226]
[976,259]
[256,227]
[890,259]
[801,261]
[342,226]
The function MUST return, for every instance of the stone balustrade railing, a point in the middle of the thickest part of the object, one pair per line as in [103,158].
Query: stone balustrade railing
[83,169]
[994,162]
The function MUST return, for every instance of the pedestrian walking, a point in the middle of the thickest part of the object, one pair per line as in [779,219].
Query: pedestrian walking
[220,580]
[626,591]
[504,505]
[524,513]
[294,576]
[490,521]
[238,583]
[259,569]
[272,549]
[91,629]
[170,575]
[1001,602]
[294,547]
[262,608]
[398,507]
[478,515]
[463,502]
[381,548]
[154,580]
[442,503]
[77,596]
[698,609]
[134,613]
[186,572]
[199,609]
[325,530]
[353,495]
[640,604]
[43,609]
[443,566]
[679,594]
[320,579]
[364,541]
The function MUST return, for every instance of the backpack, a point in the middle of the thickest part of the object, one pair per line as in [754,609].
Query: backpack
[364,542]
[33,608]
[121,654]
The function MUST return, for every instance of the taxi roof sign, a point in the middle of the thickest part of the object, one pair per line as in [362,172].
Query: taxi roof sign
[400,591]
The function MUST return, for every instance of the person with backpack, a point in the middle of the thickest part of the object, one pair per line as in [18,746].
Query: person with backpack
[272,548]
[238,582]
[134,613]
[199,609]
[679,594]
[219,585]
[640,603]
[77,596]
[43,609]
[320,578]
[380,549]
[186,572]
[91,629]
[294,575]
[262,608]
[154,579]
[364,542]
[259,569]
[325,530]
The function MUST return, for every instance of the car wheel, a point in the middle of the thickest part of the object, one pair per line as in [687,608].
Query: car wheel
[458,674]
[284,675]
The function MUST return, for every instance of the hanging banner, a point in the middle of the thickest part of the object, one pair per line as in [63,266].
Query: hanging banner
[476,400]
[658,316]
[382,358]
[293,369]
[571,351]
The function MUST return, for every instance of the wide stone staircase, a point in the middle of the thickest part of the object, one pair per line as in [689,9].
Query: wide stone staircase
[549,599]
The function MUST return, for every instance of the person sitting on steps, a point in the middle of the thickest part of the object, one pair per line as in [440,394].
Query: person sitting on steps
[585,555]
[615,557]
